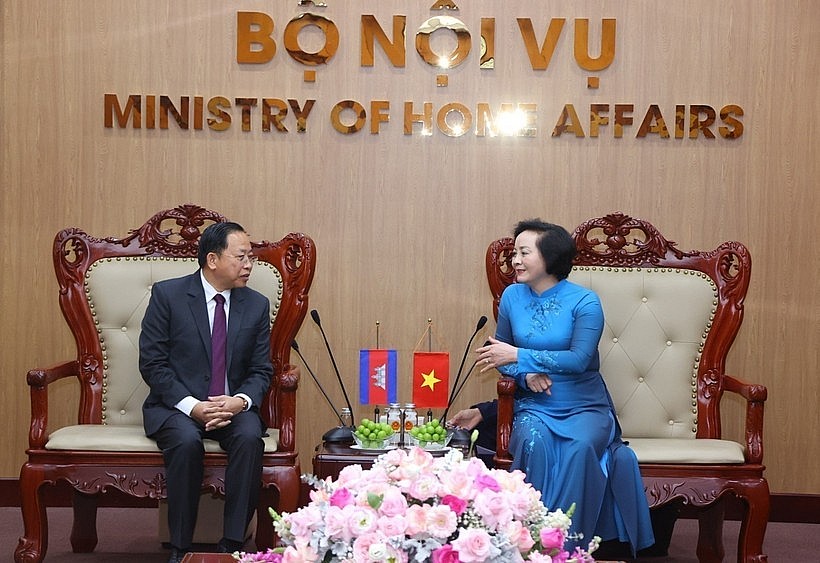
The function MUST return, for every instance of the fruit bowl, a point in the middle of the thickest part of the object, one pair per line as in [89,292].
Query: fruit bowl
[371,435]
[430,436]
[362,444]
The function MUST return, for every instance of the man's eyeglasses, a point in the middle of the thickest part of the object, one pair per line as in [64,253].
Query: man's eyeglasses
[250,258]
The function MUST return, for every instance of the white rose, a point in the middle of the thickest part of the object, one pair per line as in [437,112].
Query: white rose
[378,552]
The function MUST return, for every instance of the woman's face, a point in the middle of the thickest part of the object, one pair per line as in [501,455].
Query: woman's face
[527,261]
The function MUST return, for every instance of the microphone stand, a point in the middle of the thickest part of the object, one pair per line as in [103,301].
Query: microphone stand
[481,322]
[455,395]
[461,436]
[314,314]
[340,434]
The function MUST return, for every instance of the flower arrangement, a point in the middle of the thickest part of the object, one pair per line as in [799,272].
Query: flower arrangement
[411,506]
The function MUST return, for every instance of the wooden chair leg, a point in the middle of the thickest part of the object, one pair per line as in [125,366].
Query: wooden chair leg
[286,489]
[32,545]
[264,536]
[753,525]
[84,528]
[710,533]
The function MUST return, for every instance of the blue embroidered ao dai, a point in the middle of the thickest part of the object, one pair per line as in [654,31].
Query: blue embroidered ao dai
[568,443]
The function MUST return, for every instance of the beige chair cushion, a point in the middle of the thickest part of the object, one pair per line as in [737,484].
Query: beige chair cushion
[679,450]
[657,320]
[118,291]
[123,438]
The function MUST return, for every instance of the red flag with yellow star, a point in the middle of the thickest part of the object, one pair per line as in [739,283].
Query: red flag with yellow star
[431,379]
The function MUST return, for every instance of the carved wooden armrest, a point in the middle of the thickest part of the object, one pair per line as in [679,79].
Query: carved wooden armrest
[38,380]
[288,384]
[506,400]
[755,396]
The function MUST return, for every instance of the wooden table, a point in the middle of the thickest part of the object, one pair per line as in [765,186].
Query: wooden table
[208,558]
[329,459]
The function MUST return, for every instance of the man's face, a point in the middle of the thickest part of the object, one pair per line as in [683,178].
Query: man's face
[233,267]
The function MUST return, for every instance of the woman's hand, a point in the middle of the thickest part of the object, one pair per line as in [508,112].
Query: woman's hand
[496,354]
[539,382]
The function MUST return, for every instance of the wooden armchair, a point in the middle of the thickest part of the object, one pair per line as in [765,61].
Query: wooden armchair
[105,286]
[671,317]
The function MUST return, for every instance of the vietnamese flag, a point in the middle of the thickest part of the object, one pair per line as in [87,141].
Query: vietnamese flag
[431,379]
[378,377]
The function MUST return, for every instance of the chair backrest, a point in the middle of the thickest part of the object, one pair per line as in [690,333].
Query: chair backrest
[671,317]
[105,286]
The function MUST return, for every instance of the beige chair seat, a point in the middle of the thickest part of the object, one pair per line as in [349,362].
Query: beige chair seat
[124,438]
[678,450]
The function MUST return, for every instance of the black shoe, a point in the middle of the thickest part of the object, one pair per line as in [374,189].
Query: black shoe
[228,546]
[177,555]
[654,550]
[613,550]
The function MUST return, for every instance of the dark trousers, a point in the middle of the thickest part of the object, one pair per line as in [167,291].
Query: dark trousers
[180,440]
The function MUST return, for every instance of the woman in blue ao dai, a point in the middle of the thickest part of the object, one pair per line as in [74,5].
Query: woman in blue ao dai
[565,435]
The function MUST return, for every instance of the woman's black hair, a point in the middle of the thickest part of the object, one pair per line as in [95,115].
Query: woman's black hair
[555,244]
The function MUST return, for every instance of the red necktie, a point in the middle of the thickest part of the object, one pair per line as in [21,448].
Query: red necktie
[219,345]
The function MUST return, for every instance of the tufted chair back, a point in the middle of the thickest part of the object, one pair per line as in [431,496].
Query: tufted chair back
[656,324]
[118,291]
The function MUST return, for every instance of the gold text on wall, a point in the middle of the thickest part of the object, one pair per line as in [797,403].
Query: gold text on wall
[263,42]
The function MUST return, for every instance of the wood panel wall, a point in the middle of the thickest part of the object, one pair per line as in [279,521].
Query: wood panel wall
[401,222]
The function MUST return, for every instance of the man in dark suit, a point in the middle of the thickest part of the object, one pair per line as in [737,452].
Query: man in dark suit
[183,406]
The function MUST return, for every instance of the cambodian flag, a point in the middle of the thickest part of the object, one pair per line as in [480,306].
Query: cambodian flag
[378,377]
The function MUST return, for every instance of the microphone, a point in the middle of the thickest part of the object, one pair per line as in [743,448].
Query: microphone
[460,435]
[472,367]
[314,314]
[479,325]
[341,434]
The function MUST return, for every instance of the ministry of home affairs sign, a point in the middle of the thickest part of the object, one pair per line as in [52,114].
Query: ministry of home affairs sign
[260,39]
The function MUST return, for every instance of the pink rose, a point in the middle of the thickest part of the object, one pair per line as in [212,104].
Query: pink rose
[456,504]
[393,504]
[300,552]
[519,536]
[474,545]
[484,482]
[458,483]
[552,538]
[341,497]
[336,524]
[445,554]
[493,508]
[304,521]
[423,487]
[416,519]
[392,526]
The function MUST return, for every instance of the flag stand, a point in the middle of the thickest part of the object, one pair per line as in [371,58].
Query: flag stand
[431,372]
[378,374]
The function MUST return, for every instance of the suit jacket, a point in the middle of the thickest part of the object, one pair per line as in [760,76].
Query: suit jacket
[175,346]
